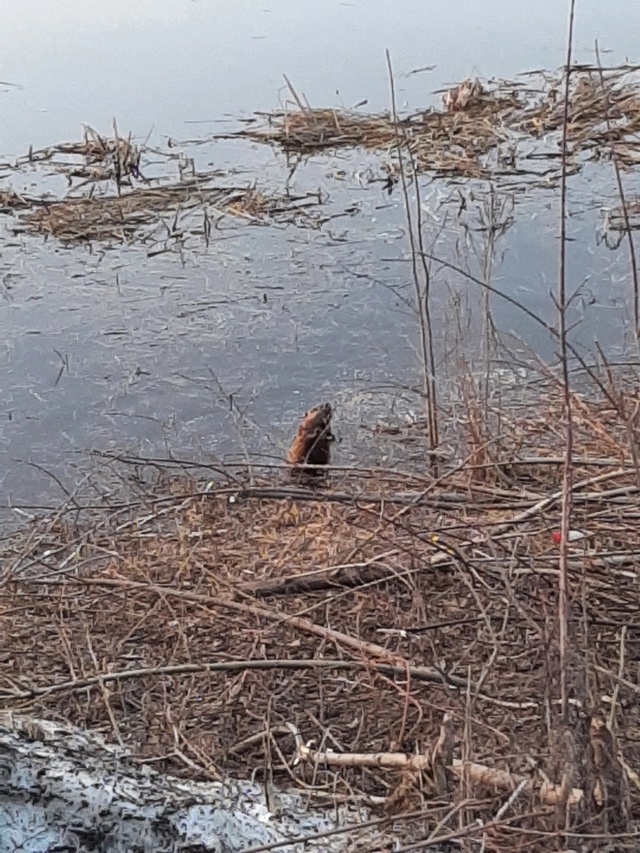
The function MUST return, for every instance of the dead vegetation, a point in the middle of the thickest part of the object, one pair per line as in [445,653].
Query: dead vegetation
[591,104]
[616,219]
[115,208]
[11,201]
[492,130]
[444,143]
[485,129]
[121,217]
[97,157]
[388,639]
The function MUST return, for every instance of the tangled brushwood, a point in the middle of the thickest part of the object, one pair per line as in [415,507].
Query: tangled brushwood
[388,641]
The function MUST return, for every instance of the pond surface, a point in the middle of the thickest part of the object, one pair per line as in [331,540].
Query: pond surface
[212,352]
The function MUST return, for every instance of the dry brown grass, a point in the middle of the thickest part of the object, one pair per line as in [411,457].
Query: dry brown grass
[11,201]
[98,158]
[485,129]
[443,142]
[492,130]
[120,217]
[590,104]
[116,208]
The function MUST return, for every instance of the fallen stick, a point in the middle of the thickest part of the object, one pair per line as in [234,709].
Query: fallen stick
[478,774]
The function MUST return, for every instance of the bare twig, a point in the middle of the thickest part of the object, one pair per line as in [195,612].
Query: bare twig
[421,288]
[622,196]
[567,476]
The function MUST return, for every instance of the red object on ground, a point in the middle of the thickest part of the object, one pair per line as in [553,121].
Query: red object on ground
[574,536]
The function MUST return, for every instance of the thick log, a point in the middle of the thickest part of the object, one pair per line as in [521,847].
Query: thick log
[62,789]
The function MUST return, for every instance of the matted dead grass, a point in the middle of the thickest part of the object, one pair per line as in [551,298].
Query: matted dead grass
[505,131]
[121,204]
[203,626]
[121,217]
[95,158]
[11,201]
[485,129]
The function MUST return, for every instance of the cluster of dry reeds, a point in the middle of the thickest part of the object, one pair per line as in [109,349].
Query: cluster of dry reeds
[485,129]
[113,209]
[490,130]
[100,158]
[120,217]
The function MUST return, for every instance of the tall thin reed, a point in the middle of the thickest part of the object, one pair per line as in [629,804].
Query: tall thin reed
[567,476]
[422,289]
[623,200]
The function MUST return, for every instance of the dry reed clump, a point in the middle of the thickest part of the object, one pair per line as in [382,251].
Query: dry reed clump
[121,214]
[498,118]
[445,142]
[120,217]
[496,130]
[221,630]
[311,130]
[603,113]
[101,158]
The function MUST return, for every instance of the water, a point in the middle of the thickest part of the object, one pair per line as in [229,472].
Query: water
[216,351]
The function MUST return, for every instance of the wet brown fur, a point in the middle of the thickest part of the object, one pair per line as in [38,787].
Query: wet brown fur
[312,444]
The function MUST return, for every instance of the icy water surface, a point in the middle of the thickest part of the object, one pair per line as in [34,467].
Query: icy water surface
[215,350]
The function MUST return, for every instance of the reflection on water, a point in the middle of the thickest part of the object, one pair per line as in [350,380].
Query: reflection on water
[219,349]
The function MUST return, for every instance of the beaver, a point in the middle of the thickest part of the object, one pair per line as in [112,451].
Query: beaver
[312,444]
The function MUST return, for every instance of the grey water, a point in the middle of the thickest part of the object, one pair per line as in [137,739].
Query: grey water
[213,352]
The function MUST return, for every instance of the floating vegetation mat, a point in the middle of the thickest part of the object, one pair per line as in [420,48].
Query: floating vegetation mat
[508,132]
[484,129]
[387,638]
[11,201]
[100,158]
[121,204]
[120,217]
